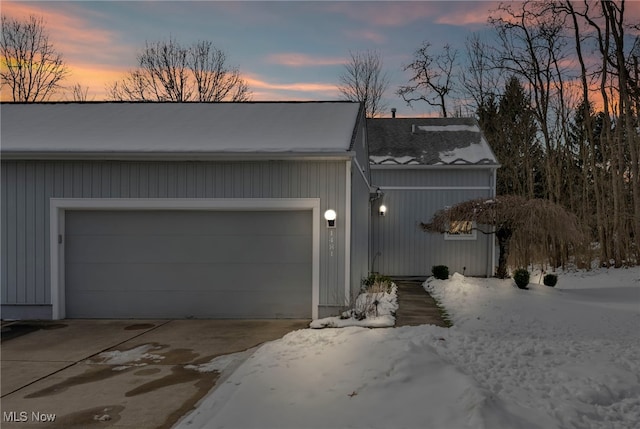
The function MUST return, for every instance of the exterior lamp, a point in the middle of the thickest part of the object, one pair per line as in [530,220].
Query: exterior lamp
[382,210]
[330,216]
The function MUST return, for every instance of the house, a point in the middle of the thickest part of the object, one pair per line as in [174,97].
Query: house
[167,210]
[421,165]
[225,210]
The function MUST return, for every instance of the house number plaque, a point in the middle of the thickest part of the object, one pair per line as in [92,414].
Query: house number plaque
[332,245]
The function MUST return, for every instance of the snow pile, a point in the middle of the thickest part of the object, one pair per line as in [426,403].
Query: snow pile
[372,310]
[354,377]
[563,357]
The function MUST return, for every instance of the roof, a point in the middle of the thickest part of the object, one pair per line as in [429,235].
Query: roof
[178,128]
[428,141]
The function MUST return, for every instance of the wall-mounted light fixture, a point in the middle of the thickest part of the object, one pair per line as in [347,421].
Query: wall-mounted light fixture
[382,210]
[330,216]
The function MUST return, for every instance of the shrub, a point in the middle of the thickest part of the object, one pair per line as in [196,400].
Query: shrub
[550,280]
[441,272]
[376,283]
[521,277]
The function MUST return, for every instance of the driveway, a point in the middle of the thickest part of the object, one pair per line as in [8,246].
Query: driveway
[118,373]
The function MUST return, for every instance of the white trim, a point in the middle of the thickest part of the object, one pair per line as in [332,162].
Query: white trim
[176,156]
[436,188]
[347,235]
[58,207]
[361,172]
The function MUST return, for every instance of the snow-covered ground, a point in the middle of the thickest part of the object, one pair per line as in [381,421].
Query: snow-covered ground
[563,357]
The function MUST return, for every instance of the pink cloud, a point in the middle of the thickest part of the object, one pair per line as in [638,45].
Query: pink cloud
[396,14]
[70,34]
[466,13]
[304,60]
[265,90]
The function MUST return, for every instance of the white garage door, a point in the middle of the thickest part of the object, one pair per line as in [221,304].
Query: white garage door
[184,264]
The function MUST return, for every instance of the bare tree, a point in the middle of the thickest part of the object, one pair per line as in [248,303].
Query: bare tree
[364,81]
[482,78]
[30,65]
[512,217]
[531,44]
[432,77]
[168,71]
[613,145]
[79,93]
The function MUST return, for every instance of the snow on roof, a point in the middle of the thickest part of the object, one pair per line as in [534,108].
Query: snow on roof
[390,160]
[472,154]
[307,127]
[427,141]
[434,128]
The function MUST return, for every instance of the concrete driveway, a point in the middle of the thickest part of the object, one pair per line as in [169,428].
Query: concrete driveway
[119,373]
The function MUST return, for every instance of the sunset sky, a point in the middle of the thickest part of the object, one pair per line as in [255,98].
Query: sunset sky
[285,50]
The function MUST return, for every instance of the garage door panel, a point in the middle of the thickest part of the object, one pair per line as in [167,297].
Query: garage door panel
[180,249]
[124,264]
[181,277]
[182,305]
[189,222]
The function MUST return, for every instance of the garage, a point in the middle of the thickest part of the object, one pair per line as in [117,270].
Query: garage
[182,210]
[188,263]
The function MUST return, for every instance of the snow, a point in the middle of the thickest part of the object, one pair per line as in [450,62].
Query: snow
[437,128]
[136,354]
[103,128]
[399,160]
[218,364]
[470,154]
[563,357]
[378,309]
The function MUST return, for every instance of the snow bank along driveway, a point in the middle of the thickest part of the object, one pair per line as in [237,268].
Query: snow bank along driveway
[564,357]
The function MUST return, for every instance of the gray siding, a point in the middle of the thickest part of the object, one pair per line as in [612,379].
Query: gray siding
[401,248]
[27,187]
[407,176]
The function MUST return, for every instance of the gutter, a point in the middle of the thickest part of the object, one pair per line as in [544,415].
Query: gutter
[176,156]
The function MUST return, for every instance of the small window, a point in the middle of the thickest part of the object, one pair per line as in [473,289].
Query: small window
[461,230]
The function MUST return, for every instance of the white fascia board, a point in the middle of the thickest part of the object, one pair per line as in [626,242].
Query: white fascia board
[176,156]
[58,207]
[361,171]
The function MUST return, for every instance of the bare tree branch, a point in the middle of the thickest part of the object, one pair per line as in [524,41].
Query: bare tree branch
[364,81]
[168,71]
[431,78]
[30,65]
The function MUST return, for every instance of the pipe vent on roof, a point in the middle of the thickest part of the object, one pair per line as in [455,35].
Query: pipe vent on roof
[393,112]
